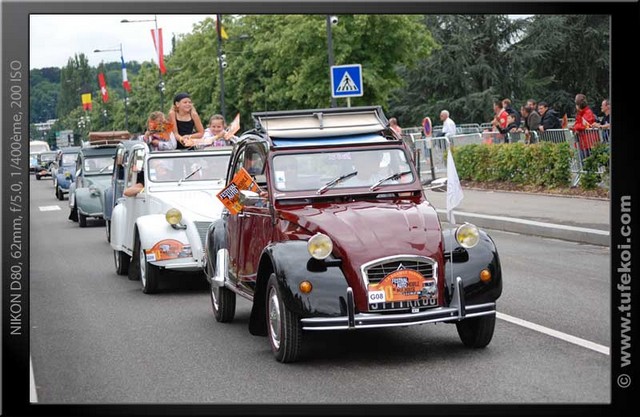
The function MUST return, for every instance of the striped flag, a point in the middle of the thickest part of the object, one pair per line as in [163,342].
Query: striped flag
[157,44]
[103,87]
[125,80]
[86,101]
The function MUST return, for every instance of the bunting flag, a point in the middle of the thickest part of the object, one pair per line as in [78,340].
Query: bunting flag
[157,44]
[103,88]
[125,80]
[235,125]
[565,121]
[86,101]
[221,32]
[454,189]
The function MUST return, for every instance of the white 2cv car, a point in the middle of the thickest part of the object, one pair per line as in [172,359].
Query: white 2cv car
[164,226]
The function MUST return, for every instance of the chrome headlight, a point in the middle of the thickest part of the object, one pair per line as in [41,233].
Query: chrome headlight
[320,246]
[467,235]
[173,216]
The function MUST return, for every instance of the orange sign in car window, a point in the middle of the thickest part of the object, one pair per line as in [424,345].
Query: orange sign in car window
[402,285]
[230,195]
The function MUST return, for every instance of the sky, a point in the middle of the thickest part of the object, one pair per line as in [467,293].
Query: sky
[56,38]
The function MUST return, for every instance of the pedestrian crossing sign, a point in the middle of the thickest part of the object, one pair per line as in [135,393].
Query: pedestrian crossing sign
[346,81]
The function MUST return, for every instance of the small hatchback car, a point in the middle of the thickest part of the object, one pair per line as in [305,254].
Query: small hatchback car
[341,236]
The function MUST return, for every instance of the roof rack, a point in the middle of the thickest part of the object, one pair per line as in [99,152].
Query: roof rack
[298,124]
[112,137]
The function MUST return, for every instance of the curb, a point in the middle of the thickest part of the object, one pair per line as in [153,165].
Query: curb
[530,227]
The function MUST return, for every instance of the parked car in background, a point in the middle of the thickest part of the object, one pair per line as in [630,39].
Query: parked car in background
[163,227]
[33,161]
[45,159]
[117,185]
[37,146]
[94,167]
[342,237]
[63,170]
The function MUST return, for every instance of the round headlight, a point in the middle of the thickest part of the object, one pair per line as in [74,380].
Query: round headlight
[173,216]
[320,246]
[467,235]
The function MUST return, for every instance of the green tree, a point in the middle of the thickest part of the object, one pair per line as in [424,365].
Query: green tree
[76,78]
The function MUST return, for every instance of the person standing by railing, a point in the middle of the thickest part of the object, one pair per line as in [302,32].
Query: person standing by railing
[548,117]
[584,120]
[604,122]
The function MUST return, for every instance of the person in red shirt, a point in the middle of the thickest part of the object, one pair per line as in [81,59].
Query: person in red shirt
[584,120]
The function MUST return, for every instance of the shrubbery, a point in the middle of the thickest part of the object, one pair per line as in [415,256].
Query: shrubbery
[595,167]
[543,164]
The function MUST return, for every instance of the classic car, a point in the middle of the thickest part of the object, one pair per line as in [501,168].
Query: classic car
[341,236]
[33,161]
[114,191]
[94,167]
[163,226]
[45,159]
[63,170]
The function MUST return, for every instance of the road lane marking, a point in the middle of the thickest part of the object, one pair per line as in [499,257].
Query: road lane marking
[49,208]
[554,333]
[33,395]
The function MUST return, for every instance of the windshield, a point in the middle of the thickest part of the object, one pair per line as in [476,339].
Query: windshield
[340,169]
[69,158]
[47,157]
[98,165]
[38,147]
[200,167]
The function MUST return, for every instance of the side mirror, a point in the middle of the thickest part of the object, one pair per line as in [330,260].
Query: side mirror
[438,185]
[250,198]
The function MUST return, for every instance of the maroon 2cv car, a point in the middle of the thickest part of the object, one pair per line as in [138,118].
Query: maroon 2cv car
[341,236]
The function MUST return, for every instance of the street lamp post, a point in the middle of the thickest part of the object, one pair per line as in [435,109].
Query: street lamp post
[331,20]
[222,63]
[126,99]
[160,81]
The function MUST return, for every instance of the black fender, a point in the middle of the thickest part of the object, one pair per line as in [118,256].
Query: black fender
[467,264]
[292,264]
[216,239]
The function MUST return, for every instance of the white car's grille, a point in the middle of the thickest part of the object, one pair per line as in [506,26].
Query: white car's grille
[202,228]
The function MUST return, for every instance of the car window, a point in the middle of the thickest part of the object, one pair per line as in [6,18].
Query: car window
[311,171]
[69,158]
[203,168]
[94,165]
[135,165]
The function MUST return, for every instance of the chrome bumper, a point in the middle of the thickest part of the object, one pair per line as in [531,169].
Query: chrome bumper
[455,312]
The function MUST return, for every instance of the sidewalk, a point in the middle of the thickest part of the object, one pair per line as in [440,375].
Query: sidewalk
[575,219]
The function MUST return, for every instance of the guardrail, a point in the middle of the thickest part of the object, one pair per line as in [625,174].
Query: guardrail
[430,153]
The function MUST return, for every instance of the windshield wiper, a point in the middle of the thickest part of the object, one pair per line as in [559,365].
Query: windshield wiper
[190,175]
[395,176]
[335,181]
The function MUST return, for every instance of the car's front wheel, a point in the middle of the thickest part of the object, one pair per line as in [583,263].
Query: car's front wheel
[59,193]
[223,303]
[476,332]
[121,260]
[149,274]
[82,219]
[283,326]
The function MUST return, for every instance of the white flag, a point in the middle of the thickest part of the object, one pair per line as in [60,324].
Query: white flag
[454,190]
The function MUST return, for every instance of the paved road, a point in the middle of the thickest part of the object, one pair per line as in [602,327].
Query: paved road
[96,338]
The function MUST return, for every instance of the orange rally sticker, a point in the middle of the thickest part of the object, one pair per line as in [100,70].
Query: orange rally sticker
[402,285]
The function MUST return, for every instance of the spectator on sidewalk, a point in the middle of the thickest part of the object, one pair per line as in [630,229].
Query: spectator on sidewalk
[584,120]
[604,122]
[393,124]
[506,105]
[548,118]
[448,125]
[499,121]
[531,121]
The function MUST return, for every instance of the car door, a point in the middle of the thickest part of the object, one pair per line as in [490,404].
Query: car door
[134,207]
[254,227]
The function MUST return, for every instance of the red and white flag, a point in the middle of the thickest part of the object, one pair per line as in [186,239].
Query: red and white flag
[157,43]
[103,88]
[125,80]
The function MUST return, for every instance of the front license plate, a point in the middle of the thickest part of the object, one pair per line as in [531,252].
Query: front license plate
[402,289]
[414,305]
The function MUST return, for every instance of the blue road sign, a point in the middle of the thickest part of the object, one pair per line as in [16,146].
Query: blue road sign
[346,81]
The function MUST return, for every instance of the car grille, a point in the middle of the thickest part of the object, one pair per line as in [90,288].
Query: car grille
[374,272]
[203,228]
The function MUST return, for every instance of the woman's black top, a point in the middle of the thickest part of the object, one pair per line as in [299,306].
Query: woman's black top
[184,128]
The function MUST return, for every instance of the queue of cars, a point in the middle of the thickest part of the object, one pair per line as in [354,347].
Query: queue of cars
[334,232]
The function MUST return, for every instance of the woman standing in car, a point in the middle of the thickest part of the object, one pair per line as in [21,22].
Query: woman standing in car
[186,122]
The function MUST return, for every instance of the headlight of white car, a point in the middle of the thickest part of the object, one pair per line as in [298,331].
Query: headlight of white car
[173,216]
